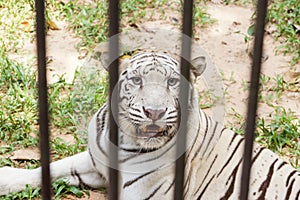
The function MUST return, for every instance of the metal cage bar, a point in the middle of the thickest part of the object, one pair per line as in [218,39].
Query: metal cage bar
[43,98]
[253,96]
[113,79]
[187,29]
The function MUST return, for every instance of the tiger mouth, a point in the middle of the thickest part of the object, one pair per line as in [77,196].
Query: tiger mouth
[151,131]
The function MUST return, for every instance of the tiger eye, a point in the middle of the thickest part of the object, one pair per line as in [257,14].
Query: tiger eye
[137,80]
[172,81]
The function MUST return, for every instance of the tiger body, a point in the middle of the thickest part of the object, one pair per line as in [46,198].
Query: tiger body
[148,126]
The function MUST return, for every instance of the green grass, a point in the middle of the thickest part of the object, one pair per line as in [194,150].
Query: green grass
[90,22]
[274,88]
[28,193]
[285,14]
[60,189]
[279,129]
[70,106]
[18,102]
[87,21]
[280,133]
[201,17]
[16,22]
[239,2]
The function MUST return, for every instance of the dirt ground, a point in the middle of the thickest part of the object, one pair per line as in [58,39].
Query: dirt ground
[223,41]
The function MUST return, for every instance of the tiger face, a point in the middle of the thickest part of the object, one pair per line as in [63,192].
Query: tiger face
[149,110]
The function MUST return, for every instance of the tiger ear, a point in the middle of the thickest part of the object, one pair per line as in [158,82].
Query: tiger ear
[105,61]
[198,65]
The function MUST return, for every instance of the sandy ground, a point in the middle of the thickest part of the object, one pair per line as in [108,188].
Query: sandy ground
[223,41]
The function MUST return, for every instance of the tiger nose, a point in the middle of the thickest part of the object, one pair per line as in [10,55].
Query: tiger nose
[153,113]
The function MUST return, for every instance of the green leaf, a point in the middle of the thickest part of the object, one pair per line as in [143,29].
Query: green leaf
[251,30]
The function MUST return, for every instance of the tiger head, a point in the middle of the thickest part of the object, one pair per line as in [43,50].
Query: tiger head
[149,100]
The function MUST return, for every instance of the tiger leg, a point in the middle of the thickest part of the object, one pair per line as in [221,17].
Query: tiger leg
[15,180]
[77,170]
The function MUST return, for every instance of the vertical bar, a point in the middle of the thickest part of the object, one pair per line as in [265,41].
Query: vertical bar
[43,98]
[113,79]
[253,95]
[187,29]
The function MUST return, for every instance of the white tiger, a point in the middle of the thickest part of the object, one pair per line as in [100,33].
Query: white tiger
[148,115]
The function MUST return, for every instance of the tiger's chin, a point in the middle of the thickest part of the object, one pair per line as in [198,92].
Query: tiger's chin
[152,143]
[152,137]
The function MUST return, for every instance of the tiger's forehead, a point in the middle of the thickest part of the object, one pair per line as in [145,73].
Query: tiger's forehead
[145,63]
